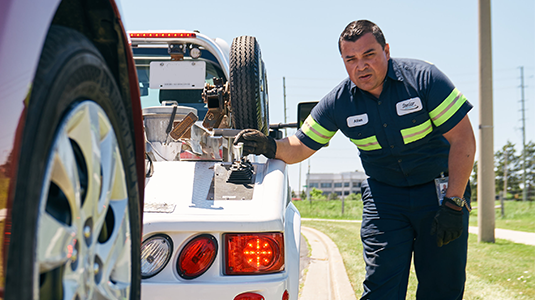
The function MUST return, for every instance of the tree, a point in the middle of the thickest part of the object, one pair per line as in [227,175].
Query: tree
[507,154]
[333,196]
[514,171]
[353,197]
[317,194]
[530,169]
[473,183]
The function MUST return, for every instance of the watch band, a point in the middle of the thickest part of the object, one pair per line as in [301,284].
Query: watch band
[456,203]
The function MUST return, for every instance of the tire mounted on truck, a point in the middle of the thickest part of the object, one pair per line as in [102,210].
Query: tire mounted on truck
[248,85]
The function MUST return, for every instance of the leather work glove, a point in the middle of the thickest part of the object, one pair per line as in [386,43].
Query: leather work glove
[448,224]
[255,142]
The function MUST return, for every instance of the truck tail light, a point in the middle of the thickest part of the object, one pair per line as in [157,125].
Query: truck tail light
[197,256]
[155,254]
[160,35]
[249,296]
[285,295]
[254,253]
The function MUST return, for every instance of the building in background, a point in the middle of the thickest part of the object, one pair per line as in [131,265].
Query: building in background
[341,184]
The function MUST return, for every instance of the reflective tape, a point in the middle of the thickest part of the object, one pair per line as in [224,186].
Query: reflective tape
[367,144]
[316,132]
[447,108]
[418,132]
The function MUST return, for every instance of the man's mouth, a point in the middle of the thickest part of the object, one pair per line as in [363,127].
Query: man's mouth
[365,77]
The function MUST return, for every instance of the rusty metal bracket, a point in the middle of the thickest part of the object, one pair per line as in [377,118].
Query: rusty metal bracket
[216,97]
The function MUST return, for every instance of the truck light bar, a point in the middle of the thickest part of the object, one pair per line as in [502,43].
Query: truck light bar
[162,35]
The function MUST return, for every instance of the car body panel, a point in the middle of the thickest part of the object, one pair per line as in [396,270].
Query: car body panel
[24,25]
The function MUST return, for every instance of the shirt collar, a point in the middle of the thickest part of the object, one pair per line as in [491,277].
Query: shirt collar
[393,73]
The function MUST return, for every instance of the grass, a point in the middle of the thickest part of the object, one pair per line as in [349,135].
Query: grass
[519,215]
[502,270]
[325,209]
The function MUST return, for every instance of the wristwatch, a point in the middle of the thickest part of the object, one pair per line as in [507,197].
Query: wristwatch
[459,202]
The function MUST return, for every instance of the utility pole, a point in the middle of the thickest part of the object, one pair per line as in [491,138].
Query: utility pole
[284,97]
[485,185]
[525,188]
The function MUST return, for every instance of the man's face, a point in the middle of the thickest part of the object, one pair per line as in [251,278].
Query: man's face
[366,63]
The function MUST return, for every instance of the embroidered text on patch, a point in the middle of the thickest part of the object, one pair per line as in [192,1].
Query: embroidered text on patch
[357,120]
[409,106]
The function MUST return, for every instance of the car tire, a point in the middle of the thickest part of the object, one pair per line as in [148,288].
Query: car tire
[248,85]
[75,220]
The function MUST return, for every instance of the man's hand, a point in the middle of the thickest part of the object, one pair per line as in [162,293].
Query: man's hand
[255,142]
[448,225]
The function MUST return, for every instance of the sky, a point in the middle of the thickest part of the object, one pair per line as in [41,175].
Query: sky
[299,39]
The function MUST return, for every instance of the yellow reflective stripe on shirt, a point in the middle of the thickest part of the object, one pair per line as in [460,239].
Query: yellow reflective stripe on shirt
[418,132]
[316,132]
[447,108]
[367,144]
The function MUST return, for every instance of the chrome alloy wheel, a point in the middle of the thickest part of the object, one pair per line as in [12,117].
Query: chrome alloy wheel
[83,234]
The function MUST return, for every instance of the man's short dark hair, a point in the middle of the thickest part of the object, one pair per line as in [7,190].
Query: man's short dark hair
[356,29]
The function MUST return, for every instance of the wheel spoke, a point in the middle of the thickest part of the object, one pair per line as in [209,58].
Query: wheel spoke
[116,251]
[56,243]
[64,175]
[84,129]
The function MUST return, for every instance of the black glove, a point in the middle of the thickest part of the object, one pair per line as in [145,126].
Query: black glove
[255,142]
[448,224]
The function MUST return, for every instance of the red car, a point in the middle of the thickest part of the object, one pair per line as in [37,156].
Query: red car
[71,152]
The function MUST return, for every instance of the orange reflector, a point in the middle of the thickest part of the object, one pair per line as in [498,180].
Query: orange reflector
[249,296]
[197,256]
[162,35]
[254,253]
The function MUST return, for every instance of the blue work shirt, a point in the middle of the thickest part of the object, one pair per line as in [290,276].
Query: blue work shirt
[400,135]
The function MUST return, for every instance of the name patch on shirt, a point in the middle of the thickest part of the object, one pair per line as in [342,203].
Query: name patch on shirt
[409,106]
[357,120]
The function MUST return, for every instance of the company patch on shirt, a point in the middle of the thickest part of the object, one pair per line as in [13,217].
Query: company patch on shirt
[357,120]
[409,106]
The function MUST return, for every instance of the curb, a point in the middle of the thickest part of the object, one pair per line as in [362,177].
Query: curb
[327,277]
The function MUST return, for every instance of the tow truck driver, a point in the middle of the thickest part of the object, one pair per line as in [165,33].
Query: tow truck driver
[411,127]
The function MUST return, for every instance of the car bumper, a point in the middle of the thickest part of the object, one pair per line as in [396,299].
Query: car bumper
[225,289]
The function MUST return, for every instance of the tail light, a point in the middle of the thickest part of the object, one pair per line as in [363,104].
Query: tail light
[155,254]
[254,253]
[249,296]
[197,256]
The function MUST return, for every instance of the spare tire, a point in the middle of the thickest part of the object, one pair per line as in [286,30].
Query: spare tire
[248,85]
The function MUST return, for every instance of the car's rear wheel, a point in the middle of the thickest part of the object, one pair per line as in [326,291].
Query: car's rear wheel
[76,220]
[248,85]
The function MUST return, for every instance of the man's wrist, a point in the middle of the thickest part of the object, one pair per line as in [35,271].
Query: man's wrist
[455,203]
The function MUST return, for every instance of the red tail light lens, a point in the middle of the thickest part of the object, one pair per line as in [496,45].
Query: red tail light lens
[197,256]
[285,295]
[162,35]
[249,296]
[254,253]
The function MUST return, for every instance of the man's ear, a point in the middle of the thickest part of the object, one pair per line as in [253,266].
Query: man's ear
[387,51]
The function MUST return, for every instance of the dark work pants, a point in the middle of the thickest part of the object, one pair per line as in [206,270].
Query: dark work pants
[396,223]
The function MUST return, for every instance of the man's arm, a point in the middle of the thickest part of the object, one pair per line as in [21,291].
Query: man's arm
[461,157]
[291,150]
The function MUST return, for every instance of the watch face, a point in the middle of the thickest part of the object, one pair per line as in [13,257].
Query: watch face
[457,201]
